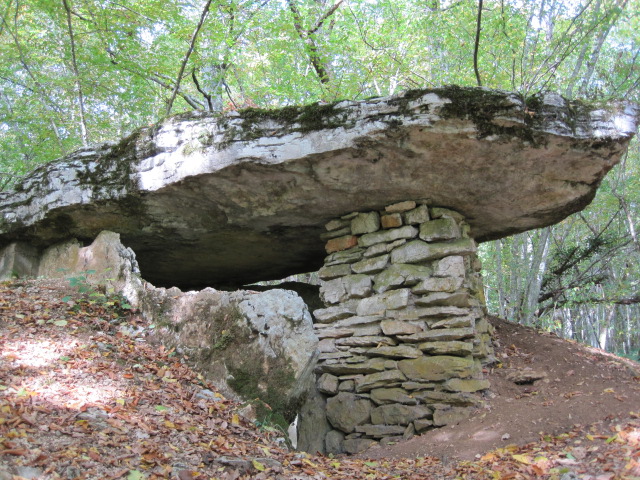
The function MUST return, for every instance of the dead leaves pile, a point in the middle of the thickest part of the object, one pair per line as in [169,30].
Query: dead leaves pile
[604,451]
[83,396]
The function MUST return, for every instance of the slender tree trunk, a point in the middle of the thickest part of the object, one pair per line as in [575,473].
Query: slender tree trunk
[476,45]
[307,35]
[515,290]
[628,330]
[579,62]
[185,60]
[595,55]
[74,63]
[534,278]
[630,225]
[500,279]
[54,128]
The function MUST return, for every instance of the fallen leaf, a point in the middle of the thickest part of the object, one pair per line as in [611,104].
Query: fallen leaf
[14,451]
[135,475]
[522,459]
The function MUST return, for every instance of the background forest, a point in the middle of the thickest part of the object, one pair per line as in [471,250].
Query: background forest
[77,72]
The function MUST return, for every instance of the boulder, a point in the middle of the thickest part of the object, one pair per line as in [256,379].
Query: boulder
[212,200]
[450,416]
[250,345]
[365,223]
[447,348]
[312,424]
[400,275]
[417,251]
[379,431]
[440,229]
[466,385]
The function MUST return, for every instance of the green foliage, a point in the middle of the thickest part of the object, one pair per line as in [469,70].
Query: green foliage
[259,54]
[269,398]
[631,355]
[101,293]
[573,269]
[80,282]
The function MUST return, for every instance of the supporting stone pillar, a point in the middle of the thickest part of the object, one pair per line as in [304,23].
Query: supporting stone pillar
[18,260]
[404,335]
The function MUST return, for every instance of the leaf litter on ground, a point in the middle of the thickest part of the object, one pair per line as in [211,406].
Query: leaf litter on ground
[84,396]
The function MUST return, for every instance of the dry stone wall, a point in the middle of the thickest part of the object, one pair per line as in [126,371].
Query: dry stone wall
[404,333]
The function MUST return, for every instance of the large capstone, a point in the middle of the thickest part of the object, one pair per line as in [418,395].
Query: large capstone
[213,200]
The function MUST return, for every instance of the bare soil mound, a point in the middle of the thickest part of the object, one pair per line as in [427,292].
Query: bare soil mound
[576,386]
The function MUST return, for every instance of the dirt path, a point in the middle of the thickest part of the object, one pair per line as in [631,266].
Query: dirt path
[579,386]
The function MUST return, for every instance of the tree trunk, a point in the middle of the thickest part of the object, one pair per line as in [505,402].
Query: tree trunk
[74,63]
[499,279]
[185,60]
[595,55]
[534,278]
[579,62]
[307,35]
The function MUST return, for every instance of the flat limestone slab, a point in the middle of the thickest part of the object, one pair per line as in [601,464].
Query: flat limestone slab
[205,199]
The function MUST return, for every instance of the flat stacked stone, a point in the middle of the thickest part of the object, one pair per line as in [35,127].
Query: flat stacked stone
[404,333]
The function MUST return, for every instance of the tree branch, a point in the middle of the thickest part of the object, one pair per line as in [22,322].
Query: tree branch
[477,43]
[74,64]
[202,92]
[297,19]
[307,37]
[329,12]
[194,37]
[42,90]
[159,79]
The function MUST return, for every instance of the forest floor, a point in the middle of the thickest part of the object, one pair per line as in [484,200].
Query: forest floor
[84,396]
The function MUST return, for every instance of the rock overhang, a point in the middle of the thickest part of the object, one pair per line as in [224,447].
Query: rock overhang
[227,200]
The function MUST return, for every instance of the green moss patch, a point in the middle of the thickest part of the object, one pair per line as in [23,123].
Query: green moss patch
[264,381]
[295,119]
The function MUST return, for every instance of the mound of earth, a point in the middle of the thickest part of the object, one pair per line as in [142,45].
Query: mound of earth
[543,385]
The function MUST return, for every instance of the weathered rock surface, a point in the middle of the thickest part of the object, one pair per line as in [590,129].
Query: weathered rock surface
[345,411]
[208,200]
[251,345]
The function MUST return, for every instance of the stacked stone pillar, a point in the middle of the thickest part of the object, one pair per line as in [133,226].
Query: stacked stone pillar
[404,335]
